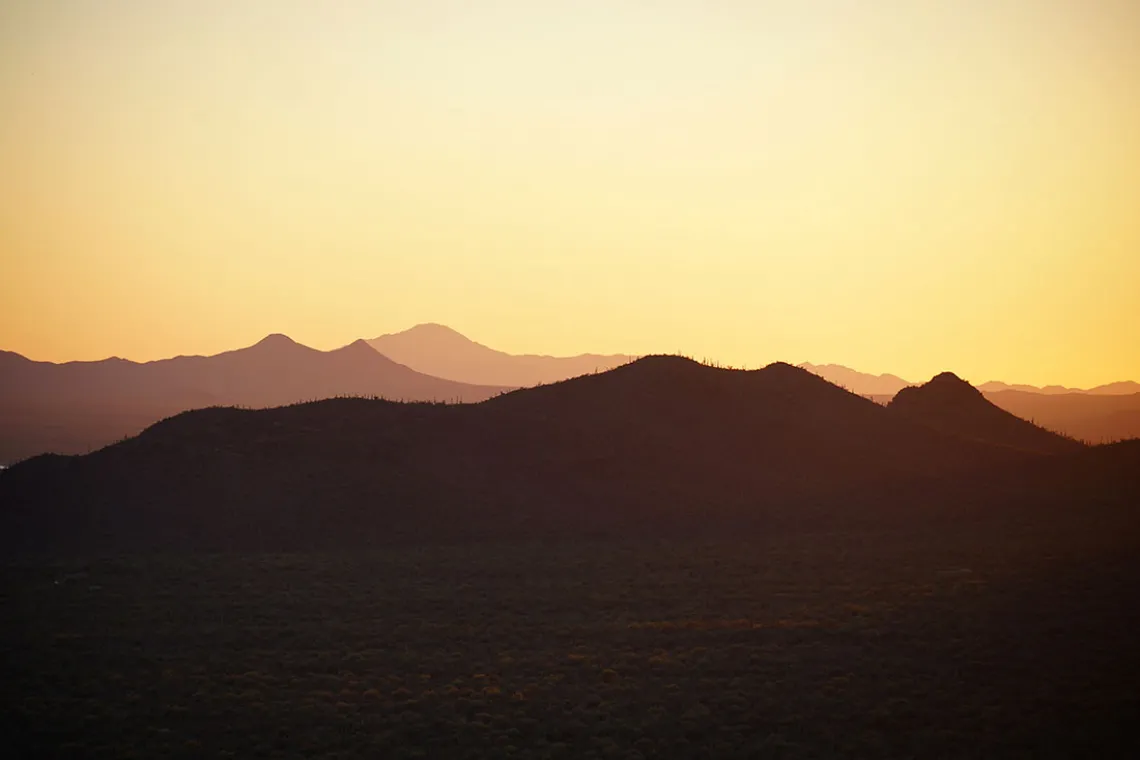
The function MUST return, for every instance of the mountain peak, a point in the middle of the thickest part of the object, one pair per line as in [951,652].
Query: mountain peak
[950,404]
[433,327]
[788,369]
[276,339]
[947,382]
[440,351]
[359,347]
[944,387]
[434,330]
[947,377]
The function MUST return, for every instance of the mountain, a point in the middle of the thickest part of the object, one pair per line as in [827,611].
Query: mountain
[79,406]
[995,386]
[1102,414]
[1097,418]
[888,385]
[858,382]
[1121,388]
[440,351]
[656,448]
[951,405]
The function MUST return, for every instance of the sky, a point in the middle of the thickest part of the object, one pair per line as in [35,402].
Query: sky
[903,186]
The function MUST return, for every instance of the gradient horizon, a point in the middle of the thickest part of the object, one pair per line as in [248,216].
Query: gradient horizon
[894,186]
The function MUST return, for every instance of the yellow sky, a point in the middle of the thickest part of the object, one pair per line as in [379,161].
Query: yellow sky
[895,185]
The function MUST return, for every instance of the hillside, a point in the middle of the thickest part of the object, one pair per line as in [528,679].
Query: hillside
[662,446]
[442,352]
[80,406]
[951,405]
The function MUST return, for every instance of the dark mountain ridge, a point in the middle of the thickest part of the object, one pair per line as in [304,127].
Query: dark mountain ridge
[953,406]
[659,447]
[867,384]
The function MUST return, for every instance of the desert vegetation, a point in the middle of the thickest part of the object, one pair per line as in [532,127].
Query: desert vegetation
[830,644]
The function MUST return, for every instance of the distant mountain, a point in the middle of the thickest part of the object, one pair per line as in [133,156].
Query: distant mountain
[442,352]
[995,386]
[1096,418]
[888,385]
[1121,388]
[951,405]
[858,382]
[658,447]
[79,406]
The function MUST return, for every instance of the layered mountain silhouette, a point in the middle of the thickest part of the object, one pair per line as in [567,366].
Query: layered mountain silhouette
[661,447]
[1122,388]
[79,406]
[951,405]
[1103,414]
[442,352]
[866,384]
[858,382]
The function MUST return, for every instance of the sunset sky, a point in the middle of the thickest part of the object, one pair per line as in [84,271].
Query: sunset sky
[900,186]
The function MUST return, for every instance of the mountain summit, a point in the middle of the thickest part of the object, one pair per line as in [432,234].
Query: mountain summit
[660,446]
[949,404]
[440,351]
[275,340]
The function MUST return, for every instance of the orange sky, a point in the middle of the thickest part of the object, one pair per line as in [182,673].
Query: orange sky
[895,185]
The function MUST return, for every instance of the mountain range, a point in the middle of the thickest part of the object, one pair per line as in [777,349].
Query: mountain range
[661,447]
[80,406]
[866,384]
[77,407]
[1121,388]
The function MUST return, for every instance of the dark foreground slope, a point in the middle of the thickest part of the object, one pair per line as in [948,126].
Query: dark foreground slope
[80,406]
[952,405]
[660,447]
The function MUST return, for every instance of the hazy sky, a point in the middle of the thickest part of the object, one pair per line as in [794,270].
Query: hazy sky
[895,185]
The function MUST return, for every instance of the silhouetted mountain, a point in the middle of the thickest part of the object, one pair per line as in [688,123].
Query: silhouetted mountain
[78,406]
[1102,414]
[1088,417]
[995,386]
[862,383]
[883,387]
[440,351]
[951,405]
[1122,388]
[659,447]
